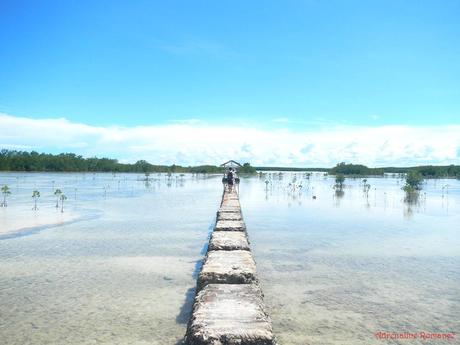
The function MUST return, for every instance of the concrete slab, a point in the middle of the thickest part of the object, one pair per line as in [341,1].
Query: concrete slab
[229,216]
[227,267]
[230,209]
[228,314]
[231,197]
[228,240]
[230,203]
[230,225]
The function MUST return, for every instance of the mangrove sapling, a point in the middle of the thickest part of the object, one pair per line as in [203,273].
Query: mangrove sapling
[366,188]
[35,196]
[5,191]
[339,181]
[445,189]
[63,198]
[58,194]
[338,186]
[413,186]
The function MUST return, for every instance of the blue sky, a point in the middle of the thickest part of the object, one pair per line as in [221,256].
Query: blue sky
[265,65]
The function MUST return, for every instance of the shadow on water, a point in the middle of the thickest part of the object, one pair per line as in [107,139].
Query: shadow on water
[186,308]
[197,269]
[204,249]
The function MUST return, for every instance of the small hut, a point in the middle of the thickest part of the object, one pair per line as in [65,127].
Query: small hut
[231,164]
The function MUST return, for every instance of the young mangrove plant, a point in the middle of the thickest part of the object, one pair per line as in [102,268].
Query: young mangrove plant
[338,186]
[366,188]
[5,191]
[63,198]
[413,186]
[58,194]
[35,196]
[339,182]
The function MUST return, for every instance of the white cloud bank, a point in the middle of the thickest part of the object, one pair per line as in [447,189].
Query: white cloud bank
[196,143]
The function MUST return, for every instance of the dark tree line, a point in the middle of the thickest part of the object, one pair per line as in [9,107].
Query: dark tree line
[11,160]
[355,169]
[426,171]
[429,171]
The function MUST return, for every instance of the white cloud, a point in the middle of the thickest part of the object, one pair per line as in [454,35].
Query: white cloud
[197,143]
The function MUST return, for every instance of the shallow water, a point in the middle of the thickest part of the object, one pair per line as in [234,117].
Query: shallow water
[333,270]
[338,270]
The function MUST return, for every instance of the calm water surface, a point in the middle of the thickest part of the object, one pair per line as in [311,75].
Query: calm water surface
[334,270]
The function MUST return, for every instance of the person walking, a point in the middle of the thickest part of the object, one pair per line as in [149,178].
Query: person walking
[230,179]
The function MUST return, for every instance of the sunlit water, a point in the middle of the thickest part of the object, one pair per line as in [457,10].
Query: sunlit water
[122,269]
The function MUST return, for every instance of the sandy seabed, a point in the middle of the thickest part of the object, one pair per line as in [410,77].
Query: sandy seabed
[16,220]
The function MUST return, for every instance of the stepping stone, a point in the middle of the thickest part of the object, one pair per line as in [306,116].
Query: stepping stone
[229,314]
[230,225]
[231,197]
[223,213]
[227,267]
[230,203]
[229,216]
[225,209]
[228,240]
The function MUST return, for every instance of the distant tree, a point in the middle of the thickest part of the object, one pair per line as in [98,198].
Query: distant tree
[35,196]
[247,169]
[5,191]
[58,194]
[355,169]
